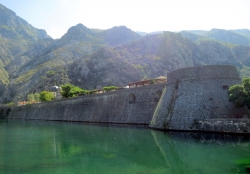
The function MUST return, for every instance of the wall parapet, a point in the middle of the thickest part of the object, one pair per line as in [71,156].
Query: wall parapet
[206,78]
[202,72]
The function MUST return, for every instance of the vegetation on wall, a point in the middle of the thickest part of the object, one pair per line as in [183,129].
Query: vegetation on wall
[46,96]
[240,94]
[109,88]
[69,90]
[33,97]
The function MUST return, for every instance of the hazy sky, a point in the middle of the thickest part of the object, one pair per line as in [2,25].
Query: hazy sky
[57,16]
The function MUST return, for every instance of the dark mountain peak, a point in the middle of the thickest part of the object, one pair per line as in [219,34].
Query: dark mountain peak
[77,33]
[119,35]
[120,29]
[79,28]
[112,37]
[82,27]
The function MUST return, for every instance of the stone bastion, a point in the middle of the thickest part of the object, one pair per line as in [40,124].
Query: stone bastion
[194,94]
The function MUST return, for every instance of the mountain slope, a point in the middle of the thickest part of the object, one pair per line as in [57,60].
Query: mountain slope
[92,66]
[13,26]
[16,37]
[32,67]
[149,57]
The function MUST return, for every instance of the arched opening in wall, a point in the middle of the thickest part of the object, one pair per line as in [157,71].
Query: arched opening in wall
[8,112]
[158,95]
[132,98]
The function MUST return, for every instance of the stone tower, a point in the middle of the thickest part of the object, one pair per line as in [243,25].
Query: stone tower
[195,93]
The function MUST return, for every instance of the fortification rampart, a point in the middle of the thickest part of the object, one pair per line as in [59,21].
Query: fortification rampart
[194,99]
[196,93]
[133,106]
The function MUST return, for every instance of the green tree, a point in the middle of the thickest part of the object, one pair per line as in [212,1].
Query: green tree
[37,97]
[30,97]
[239,95]
[69,90]
[46,96]
[33,97]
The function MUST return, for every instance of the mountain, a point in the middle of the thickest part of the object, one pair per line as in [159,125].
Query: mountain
[149,57]
[31,61]
[193,37]
[237,37]
[13,27]
[243,32]
[227,36]
[119,35]
[112,37]
[16,37]
[31,71]
[18,32]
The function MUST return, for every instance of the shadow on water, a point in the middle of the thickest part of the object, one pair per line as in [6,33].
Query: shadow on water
[3,121]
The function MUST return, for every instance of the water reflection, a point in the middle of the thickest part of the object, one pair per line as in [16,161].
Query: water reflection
[56,147]
[204,153]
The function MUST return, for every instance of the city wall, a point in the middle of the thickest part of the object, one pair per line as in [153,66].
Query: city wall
[130,106]
[194,99]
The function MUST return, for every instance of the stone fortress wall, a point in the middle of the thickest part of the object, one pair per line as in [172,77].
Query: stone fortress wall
[130,106]
[194,99]
[195,94]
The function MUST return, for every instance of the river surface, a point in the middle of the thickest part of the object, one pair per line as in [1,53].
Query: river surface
[37,147]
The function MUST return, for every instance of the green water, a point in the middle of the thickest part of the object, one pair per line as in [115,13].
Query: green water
[30,147]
